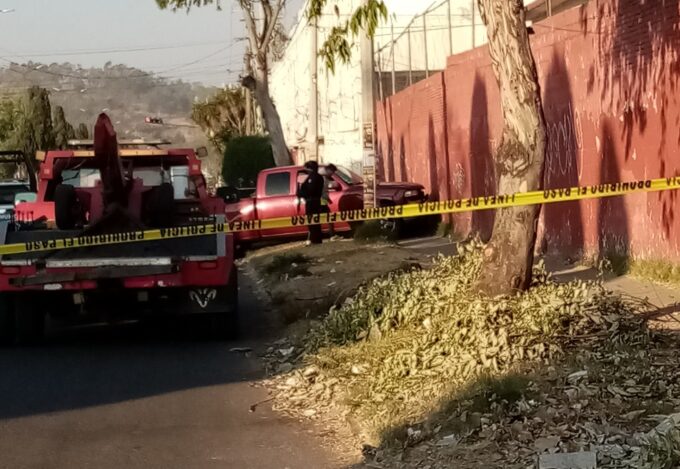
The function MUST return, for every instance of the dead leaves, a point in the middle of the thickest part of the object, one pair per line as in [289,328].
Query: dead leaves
[391,356]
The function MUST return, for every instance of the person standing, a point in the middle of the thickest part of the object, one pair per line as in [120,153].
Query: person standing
[311,190]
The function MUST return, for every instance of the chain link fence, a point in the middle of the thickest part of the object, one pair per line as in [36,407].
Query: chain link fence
[407,55]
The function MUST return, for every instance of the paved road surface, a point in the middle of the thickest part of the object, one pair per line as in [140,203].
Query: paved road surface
[125,398]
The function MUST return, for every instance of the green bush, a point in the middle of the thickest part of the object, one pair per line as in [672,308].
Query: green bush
[244,158]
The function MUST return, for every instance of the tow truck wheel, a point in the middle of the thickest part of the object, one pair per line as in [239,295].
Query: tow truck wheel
[224,325]
[29,321]
[6,320]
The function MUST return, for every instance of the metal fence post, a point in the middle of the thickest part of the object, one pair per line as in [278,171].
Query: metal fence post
[394,76]
[410,67]
[378,70]
[474,33]
[448,14]
[427,65]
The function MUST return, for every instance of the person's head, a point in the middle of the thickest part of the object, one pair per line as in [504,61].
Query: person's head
[312,166]
[331,169]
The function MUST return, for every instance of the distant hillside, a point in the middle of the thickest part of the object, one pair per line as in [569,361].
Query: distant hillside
[127,94]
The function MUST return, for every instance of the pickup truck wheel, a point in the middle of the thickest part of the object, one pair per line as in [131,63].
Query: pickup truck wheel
[29,321]
[6,320]
[392,227]
[66,207]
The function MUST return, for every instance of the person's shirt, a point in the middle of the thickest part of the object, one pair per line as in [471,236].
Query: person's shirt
[312,187]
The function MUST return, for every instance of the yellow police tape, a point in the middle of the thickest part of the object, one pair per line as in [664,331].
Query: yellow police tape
[400,211]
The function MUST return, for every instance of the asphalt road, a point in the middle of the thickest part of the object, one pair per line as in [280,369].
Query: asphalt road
[131,398]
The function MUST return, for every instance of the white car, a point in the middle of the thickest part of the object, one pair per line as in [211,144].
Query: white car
[8,193]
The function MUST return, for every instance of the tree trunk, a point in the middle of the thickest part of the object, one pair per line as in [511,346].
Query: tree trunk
[259,85]
[519,160]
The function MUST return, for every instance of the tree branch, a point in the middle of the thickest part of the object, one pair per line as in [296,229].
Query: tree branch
[251,28]
[274,13]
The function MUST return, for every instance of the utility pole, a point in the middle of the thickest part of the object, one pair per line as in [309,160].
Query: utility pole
[248,67]
[314,94]
[368,117]
[474,32]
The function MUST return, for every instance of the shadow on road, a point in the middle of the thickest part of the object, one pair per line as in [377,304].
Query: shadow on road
[88,367]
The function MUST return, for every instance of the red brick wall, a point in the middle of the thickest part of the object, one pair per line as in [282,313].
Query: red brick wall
[609,81]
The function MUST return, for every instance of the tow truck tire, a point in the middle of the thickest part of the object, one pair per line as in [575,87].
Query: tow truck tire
[29,321]
[65,207]
[6,320]
[225,325]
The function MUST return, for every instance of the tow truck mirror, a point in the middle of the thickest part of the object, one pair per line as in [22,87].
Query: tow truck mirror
[202,152]
[334,186]
[228,194]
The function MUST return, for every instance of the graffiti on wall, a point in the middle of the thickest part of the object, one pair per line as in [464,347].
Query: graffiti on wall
[565,147]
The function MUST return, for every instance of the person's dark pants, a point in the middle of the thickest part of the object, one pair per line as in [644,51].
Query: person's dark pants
[313,207]
[331,227]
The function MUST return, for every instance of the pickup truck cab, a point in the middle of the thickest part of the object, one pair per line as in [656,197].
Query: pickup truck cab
[276,197]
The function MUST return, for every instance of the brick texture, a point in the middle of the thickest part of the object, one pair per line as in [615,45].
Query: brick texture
[609,76]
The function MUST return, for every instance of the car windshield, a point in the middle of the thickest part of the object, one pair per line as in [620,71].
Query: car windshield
[84,177]
[348,176]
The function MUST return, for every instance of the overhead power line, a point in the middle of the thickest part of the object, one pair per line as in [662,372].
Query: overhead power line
[24,55]
[39,69]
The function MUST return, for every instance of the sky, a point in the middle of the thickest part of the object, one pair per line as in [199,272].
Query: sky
[203,46]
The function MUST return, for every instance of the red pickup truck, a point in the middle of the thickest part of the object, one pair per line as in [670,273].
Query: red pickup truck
[275,197]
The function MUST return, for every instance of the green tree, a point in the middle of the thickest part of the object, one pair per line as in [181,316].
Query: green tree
[9,117]
[365,18]
[223,116]
[10,109]
[34,131]
[82,133]
[261,18]
[63,131]
[520,157]
[244,158]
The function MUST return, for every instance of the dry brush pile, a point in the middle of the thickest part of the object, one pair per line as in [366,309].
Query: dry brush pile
[416,354]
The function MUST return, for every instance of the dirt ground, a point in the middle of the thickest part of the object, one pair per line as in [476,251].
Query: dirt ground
[303,282]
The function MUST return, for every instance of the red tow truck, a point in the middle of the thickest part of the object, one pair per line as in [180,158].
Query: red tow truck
[276,197]
[104,188]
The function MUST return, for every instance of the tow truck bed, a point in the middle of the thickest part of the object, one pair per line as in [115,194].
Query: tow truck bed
[198,248]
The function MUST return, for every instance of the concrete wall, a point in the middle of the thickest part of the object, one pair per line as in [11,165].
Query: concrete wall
[609,76]
[339,108]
